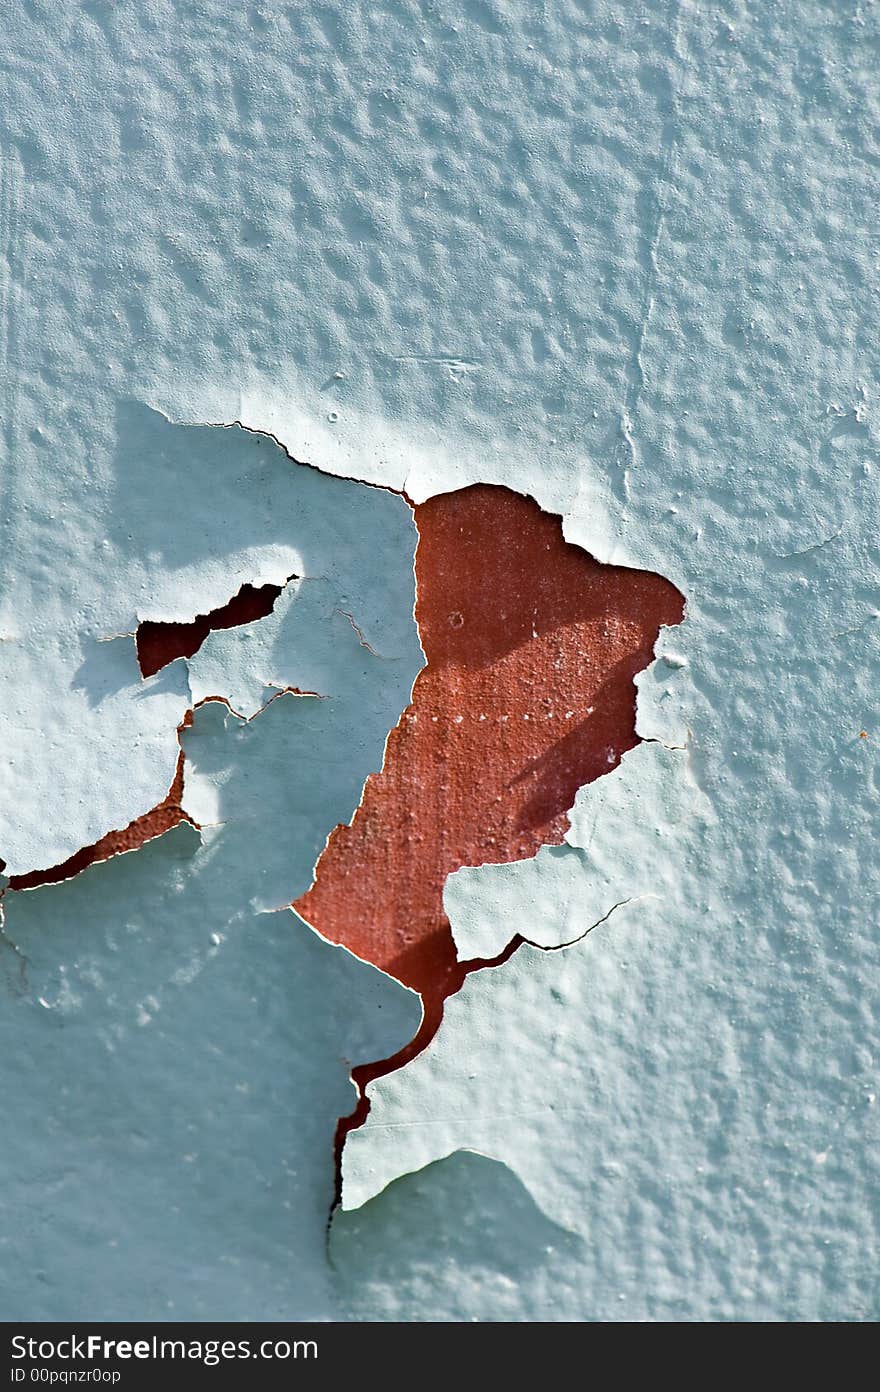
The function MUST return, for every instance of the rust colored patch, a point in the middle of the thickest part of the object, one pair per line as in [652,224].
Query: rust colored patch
[152,823]
[531,647]
[432,1003]
[160,643]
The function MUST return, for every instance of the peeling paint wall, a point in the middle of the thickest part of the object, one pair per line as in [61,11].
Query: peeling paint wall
[527,693]
[620,261]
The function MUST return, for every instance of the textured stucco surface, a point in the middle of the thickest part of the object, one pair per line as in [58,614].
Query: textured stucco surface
[173,1090]
[623,259]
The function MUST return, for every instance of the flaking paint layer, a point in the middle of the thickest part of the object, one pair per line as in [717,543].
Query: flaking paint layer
[531,648]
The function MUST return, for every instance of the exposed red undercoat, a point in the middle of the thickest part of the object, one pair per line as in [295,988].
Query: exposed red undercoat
[160,643]
[531,649]
[142,829]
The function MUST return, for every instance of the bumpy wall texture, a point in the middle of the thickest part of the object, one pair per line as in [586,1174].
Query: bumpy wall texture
[439,608]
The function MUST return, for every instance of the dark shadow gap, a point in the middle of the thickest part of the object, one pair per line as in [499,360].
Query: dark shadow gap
[160,643]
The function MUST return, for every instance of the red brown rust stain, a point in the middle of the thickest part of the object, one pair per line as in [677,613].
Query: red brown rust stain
[531,648]
[153,823]
[160,643]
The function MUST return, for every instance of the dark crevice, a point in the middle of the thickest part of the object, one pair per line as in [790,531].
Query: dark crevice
[160,643]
